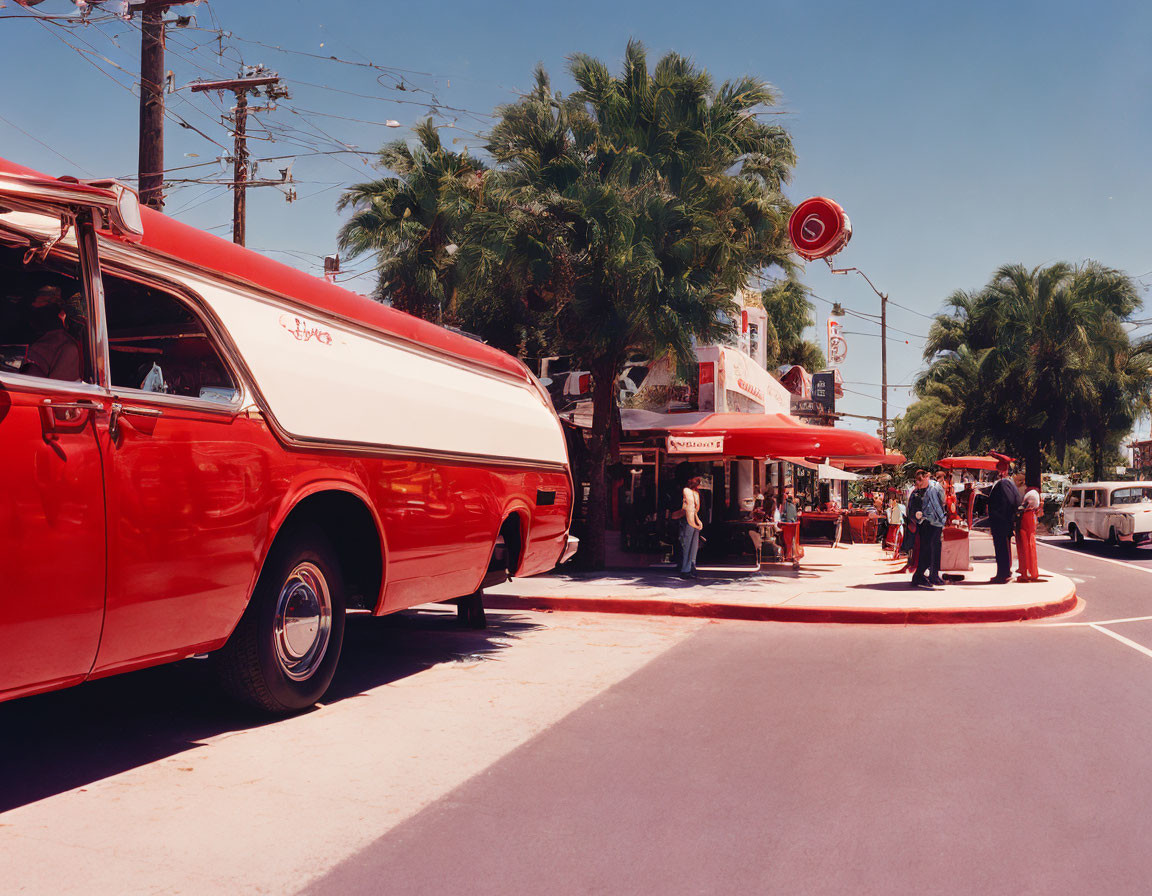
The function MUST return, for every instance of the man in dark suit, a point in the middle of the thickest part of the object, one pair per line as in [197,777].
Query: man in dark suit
[1002,504]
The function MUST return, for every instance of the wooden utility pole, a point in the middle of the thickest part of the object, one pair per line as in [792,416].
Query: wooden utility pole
[240,86]
[151,156]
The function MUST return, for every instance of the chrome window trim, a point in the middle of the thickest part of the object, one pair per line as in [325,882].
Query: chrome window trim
[424,454]
[180,402]
[23,382]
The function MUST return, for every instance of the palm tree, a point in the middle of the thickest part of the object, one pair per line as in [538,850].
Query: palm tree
[628,215]
[1036,359]
[414,220]
[790,313]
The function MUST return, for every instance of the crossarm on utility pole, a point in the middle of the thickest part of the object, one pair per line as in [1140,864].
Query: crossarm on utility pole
[240,86]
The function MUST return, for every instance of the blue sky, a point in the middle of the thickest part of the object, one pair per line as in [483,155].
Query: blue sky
[957,137]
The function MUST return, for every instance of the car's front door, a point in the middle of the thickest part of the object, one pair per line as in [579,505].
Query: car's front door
[52,522]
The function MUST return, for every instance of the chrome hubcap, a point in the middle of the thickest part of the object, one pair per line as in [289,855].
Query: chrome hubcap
[303,622]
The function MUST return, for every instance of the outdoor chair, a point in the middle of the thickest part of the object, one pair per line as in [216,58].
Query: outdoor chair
[757,546]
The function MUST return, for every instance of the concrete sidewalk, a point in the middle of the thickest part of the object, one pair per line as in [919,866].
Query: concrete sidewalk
[846,584]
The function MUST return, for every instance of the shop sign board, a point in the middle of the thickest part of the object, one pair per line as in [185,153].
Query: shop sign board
[824,391]
[819,228]
[695,444]
[837,344]
[740,383]
[805,407]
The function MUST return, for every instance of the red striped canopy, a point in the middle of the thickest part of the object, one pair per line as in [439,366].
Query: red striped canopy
[892,458]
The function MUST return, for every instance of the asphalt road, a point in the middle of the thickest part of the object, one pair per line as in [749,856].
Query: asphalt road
[568,754]
[793,759]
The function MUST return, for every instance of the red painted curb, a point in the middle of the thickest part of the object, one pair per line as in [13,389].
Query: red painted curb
[756,613]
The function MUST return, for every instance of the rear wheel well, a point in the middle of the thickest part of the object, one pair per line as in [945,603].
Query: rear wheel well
[351,529]
[511,536]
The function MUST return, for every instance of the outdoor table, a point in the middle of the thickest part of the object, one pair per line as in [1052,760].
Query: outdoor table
[736,534]
[826,522]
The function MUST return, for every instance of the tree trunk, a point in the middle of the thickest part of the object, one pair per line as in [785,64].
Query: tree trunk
[1096,454]
[603,406]
[1033,463]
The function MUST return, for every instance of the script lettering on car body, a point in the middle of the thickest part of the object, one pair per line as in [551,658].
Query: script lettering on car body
[304,330]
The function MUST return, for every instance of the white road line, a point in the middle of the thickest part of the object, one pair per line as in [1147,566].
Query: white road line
[1101,622]
[1144,650]
[1061,547]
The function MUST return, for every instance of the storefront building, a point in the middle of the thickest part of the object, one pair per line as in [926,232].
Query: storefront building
[733,427]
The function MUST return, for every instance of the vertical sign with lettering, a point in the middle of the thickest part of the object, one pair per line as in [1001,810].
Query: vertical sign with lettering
[824,391]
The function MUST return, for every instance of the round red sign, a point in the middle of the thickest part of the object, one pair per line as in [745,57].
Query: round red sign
[819,228]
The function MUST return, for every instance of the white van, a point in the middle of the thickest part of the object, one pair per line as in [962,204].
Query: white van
[1117,512]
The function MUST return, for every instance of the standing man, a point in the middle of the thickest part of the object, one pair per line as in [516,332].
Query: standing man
[1002,504]
[930,521]
[690,527]
[788,514]
[914,504]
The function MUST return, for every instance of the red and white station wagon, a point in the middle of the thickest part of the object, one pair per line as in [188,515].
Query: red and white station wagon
[202,450]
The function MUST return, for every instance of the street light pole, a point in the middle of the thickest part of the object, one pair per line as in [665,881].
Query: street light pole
[883,347]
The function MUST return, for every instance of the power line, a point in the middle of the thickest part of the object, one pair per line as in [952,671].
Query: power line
[213,192]
[387,99]
[912,310]
[387,69]
[42,143]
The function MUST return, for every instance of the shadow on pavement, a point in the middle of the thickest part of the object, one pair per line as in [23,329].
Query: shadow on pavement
[905,585]
[59,741]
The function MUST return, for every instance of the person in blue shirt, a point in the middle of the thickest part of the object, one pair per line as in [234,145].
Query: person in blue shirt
[930,521]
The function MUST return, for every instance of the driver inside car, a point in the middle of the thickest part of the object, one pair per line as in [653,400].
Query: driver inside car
[53,353]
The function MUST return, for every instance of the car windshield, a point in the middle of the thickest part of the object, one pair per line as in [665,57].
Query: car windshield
[1133,495]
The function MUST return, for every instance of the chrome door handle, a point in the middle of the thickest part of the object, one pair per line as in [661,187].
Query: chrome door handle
[118,410]
[67,413]
[80,404]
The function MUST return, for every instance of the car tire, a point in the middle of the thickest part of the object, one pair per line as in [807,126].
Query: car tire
[1075,534]
[283,654]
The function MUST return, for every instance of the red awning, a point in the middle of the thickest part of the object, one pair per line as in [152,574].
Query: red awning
[968,462]
[892,459]
[778,435]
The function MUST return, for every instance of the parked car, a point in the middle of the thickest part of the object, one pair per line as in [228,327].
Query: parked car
[1117,512]
[205,451]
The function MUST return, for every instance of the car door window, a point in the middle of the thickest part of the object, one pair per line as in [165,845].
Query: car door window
[1073,499]
[1089,499]
[43,318]
[157,343]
